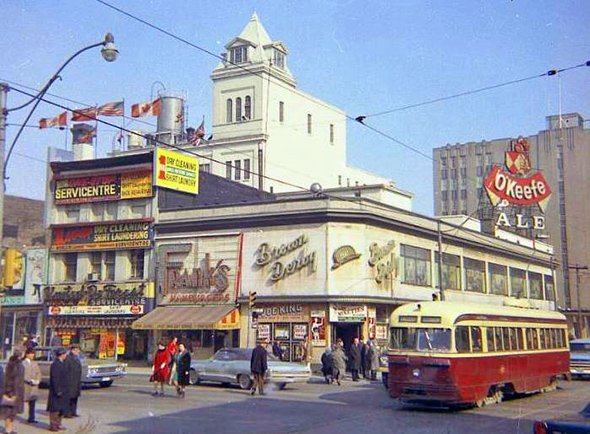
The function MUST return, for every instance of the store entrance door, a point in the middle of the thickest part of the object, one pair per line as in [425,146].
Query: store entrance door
[347,332]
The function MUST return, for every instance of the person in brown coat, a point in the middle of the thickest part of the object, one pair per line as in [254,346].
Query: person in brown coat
[14,387]
[32,381]
[58,402]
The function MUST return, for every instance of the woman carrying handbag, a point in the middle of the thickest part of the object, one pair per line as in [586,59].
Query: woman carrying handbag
[14,390]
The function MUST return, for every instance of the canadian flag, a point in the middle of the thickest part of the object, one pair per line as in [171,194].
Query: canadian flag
[58,121]
[146,109]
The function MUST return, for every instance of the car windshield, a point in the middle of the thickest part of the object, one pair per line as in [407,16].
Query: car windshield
[578,347]
[421,339]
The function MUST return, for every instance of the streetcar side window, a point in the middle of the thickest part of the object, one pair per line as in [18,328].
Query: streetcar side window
[542,337]
[476,343]
[535,339]
[564,338]
[513,341]
[560,339]
[462,339]
[499,342]
[506,336]
[529,339]
[490,339]
[520,339]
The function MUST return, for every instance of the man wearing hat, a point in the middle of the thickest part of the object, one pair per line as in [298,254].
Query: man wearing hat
[58,401]
[75,384]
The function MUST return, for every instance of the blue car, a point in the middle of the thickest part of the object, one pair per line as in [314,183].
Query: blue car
[576,424]
[580,358]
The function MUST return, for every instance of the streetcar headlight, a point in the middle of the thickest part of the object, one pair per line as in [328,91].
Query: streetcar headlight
[416,373]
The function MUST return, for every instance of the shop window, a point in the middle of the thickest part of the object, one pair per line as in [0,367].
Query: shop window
[246,169]
[70,261]
[207,341]
[416,265]
[451,271]
[475,272]
[535,285]
[518,283]
[137,264]
[109,262]
[462,339]
[549,288]
[498,279]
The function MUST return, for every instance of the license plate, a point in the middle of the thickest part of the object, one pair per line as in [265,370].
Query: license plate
[105,379]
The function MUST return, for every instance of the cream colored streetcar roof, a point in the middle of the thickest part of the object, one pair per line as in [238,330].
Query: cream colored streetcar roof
[450,312]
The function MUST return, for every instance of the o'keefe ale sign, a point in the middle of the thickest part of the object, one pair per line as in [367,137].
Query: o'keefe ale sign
[515,190]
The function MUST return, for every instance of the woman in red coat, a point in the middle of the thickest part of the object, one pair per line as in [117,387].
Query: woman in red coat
[160,369]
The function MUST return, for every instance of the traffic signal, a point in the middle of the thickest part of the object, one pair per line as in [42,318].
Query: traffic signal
[13,267]
[251,299]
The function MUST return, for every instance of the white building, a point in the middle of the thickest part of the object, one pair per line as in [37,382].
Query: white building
[264,124]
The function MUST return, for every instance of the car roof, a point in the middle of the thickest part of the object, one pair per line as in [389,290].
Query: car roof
[580,341]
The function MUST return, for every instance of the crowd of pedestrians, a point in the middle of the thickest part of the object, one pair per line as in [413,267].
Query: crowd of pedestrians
[361,358]
[19,384]
[171,365]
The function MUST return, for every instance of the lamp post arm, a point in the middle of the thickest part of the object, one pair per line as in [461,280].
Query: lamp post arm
[37,99]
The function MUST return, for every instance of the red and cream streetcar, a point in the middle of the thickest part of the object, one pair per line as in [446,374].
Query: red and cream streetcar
[457,353]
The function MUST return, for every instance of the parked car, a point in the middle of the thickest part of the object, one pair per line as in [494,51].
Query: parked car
[232,366]
[94,371]
[580,358]
[576,424]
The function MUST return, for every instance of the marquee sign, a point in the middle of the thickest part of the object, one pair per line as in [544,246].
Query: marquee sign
[282,267]
[96,294]
[515,187]
[116,186]
[125,234]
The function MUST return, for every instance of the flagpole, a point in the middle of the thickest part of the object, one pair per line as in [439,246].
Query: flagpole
[66,138]
[94,140]
[121,142]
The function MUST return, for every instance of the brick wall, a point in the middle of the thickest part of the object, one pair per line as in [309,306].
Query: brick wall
[23,222]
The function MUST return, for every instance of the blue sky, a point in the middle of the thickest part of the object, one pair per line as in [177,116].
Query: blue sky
[362,56]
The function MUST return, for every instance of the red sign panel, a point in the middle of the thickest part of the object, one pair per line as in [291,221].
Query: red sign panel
[518,191]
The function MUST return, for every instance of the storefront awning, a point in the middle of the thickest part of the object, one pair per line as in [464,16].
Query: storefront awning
[225,317]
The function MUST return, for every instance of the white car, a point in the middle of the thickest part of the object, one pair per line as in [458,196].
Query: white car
[232,366]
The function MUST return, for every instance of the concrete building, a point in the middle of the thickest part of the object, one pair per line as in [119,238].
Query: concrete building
[561,152]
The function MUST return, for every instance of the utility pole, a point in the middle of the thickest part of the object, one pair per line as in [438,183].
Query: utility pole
[3,112]
[578,267]
[440,261]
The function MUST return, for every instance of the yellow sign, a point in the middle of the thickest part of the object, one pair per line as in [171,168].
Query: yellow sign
[176,171]
[136,184]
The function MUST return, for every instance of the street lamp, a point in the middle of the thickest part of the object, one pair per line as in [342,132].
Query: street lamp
[109,53]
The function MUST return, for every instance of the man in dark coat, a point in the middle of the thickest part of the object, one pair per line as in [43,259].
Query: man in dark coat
[58,400]
[355,359]
[258,366]
[183,367]
[363,350]
[75,384]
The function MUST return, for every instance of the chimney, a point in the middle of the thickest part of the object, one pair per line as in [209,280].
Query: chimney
[83,141]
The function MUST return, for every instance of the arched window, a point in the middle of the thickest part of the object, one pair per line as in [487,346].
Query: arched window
[229,111]
[238,109]
[248,107]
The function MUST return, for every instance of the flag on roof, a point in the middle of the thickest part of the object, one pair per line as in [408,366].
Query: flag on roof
[153,108]
[111,109]
[87,136]
[86,114]
[59,121]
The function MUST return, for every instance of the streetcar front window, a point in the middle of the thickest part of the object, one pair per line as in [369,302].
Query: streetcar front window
[421,339]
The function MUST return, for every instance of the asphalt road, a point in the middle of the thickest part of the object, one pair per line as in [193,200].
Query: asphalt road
[128,407]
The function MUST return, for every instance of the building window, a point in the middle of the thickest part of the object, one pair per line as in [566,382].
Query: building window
[416,265]
[475,275]
[308,123]
[206,168]
[536,286]
[445,195]
[463,194]
[228,170]
[549,288]
[248,108]
[279,59]
[453,162]
[98,211]
[111,211]
[453,173]
[238,169]
[239,54]
[238,109]
[443,162]
[281,111]
[138,209]
[479,193]
[70,261]
[463,161]
[463,172]
[479,171]
[229,111]
[498,279]
[443,174]
[331,134]
[137,264]
[96,266]
[109,262]
[339,180]
[518,283]
[247,169]
[72,212]
[454,195]
[451,271]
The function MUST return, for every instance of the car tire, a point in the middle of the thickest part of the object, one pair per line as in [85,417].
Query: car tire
[281,386]
[106,383]
[244,381]
[193,377]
